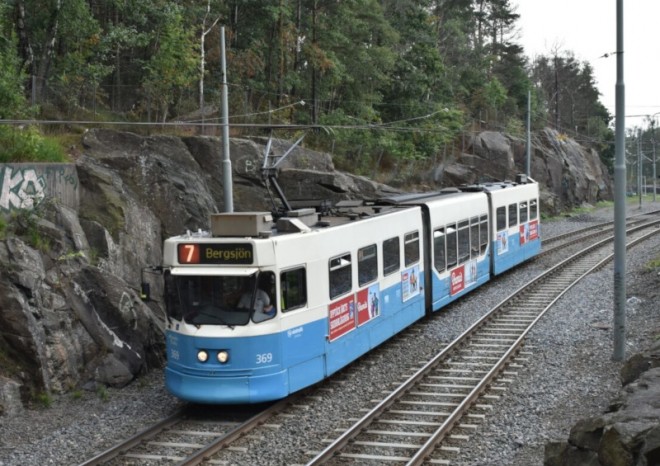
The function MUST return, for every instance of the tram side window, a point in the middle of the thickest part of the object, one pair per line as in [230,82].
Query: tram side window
[474,237]
[391,255]
[513,215]
[452,252]
[501,218]
[411,248]
[341,279]
[367,264]
[483,233]
[533,209]
[463,241]
[523,212]
[294,289]
[172,299]
[439,256]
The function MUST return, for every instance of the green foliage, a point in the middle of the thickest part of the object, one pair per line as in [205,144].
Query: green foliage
[653,265]
[80,71]
[44,399]
[570,95]
[383,71]
[3,228]
[71,255]
[143,383]
[494,93]
[173,65]
[371,147]
[93,256]
[10,365]
[102,393]
[24,223]
[28,145]
[515,127]
[12,76]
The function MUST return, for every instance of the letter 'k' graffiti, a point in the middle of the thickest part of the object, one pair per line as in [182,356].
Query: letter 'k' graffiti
[20,189]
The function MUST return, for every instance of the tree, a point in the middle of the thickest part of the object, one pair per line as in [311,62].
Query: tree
[78,68]
[208,23]
[173,65]
[12,77]
[428,68]
[37,24]
[569,93]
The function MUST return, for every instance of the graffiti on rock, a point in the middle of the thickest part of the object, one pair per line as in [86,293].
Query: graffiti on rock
[20,188]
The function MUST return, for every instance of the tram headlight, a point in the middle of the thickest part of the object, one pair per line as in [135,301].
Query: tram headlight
[223,356]
[202,356]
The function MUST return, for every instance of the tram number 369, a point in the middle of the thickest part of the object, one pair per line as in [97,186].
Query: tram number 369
[264,358]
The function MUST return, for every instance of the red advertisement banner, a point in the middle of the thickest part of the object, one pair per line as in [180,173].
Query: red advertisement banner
[341,317]
[368,304]
[457,278]
[533,230]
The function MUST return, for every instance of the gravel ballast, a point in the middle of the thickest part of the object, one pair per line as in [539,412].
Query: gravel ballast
[569,375]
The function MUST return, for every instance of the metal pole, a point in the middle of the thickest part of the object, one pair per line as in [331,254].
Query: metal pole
[639,166]
[226,161]
[529,133]
[620,198]
[655,177]
[556,93]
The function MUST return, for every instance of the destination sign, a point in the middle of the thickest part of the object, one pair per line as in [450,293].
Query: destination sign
[215,253]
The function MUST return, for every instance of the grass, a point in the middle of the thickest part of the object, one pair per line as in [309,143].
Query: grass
[44,399]
[24,222]
[653,264]
[102,392]
[646,198]
[576,211]
[20,145]
[67,141]
[10,366]
[630,201]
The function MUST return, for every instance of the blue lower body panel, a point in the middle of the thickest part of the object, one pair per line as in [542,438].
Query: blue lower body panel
[227,390]
[516,251]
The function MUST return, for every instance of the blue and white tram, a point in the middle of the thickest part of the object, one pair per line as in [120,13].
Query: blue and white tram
[258,310]
[516,224]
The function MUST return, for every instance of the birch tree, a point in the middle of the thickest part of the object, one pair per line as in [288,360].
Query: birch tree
[202,49]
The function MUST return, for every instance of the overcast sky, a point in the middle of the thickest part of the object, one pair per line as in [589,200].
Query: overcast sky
[588,29]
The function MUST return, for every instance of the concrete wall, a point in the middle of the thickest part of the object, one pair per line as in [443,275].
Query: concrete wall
[25,185]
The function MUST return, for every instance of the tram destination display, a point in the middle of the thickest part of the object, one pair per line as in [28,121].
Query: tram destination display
[215,253]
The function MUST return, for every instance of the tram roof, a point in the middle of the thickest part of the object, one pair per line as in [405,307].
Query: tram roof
[314,214]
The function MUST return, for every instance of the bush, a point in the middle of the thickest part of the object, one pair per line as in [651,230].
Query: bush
[28,145]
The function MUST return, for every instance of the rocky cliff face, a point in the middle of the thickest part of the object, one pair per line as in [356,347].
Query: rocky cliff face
[70,311]
[569,174]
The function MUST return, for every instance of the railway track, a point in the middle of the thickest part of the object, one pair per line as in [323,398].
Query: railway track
[189,436]
[423,419]
[559,242]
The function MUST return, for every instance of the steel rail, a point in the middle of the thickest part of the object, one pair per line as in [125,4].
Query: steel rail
[222,442]
[201,454]
[137,439]
[426,450]
[603,226]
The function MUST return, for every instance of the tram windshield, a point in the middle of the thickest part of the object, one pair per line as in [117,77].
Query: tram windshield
[220,300]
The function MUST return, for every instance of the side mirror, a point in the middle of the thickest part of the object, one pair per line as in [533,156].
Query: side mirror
[145,291]
[145,287]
